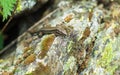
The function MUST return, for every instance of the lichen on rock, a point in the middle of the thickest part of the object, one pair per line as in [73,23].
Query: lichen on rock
[87,43]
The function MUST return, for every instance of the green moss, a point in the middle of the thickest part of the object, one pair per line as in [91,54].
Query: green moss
[107,57]
[69,47]
[29,73]
[69,65]
[111,69]
[19,7]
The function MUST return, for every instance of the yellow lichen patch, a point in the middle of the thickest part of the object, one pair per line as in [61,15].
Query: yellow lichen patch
[68,18]
[29,59]
[45,44]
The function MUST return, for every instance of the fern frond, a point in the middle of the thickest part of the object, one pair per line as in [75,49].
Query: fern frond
[7,7]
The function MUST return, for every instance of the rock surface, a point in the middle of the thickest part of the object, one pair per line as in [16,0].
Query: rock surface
[78,38]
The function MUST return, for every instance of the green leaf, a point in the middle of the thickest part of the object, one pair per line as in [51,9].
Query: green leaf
[1,41]
[7,7]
